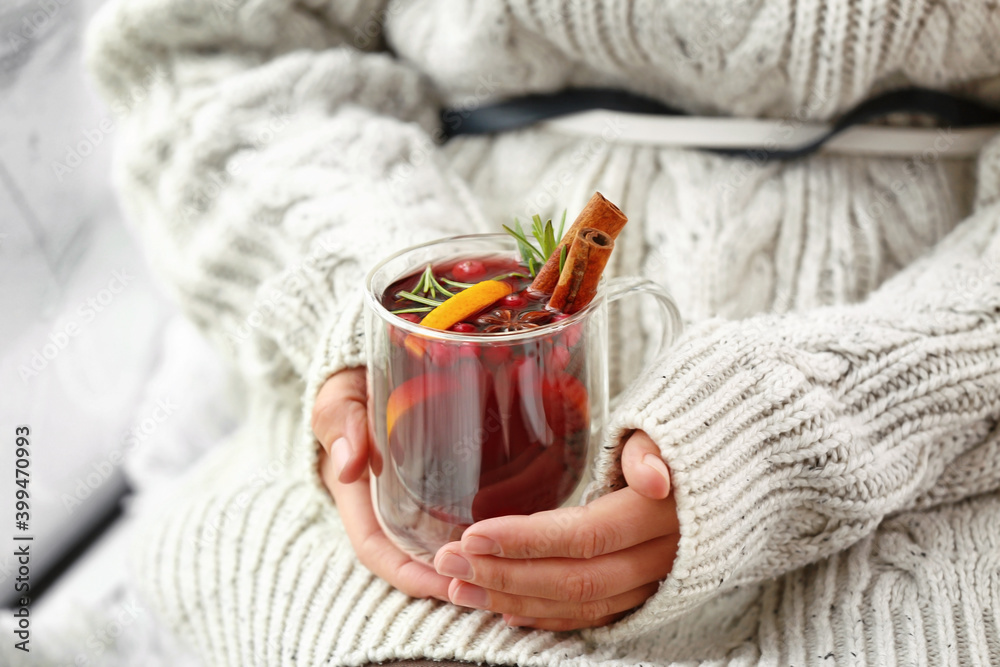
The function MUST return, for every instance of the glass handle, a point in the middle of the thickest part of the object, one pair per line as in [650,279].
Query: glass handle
[624,286]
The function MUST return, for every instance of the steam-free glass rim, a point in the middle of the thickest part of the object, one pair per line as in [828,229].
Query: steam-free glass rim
[375,302]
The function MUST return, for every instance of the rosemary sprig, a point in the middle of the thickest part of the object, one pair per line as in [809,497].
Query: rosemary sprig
[544,233]
[421,309]
[419,299]
[512,274]
[529,253]
[424,292]
[455,283]
[429,292]
[429,286]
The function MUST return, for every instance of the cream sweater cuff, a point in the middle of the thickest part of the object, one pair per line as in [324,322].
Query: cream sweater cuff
[790,438]
[341,345]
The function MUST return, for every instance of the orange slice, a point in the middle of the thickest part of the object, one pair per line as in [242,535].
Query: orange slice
[414,391]
[467,302]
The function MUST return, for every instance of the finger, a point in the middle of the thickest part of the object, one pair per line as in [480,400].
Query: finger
[347,461]
[340,423]
[644,469]
[339,396]
[356,427]
[619,520]
[560,624]
[353,462]
[372,547]
[563,578]
[469,595]
[342,420]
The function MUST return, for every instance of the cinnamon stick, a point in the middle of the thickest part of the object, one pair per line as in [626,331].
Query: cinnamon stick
[600,214]
[585,261]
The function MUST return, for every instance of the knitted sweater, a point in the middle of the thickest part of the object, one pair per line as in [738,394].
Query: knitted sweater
[829,416]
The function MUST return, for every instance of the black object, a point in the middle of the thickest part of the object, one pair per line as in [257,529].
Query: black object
[520,112]
[43,580]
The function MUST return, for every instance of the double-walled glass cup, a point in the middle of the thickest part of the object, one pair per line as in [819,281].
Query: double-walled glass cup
[472,426]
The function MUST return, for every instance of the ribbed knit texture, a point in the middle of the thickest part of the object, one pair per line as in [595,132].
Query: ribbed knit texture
[830,415]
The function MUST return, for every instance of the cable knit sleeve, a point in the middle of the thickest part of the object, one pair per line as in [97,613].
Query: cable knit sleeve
[267,163]
[791,437]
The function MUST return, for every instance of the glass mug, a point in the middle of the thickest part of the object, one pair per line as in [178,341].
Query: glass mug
[471,426]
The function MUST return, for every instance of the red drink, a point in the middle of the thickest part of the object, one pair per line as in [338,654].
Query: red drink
[491,425]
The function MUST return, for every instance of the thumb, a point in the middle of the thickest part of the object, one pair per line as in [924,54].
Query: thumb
[644,469]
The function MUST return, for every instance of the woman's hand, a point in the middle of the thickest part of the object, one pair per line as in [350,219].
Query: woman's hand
[574,567]
[340,423]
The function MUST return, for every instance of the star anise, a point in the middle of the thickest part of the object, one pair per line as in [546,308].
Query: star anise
[505,320]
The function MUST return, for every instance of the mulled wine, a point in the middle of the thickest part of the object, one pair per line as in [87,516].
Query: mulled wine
[481,425]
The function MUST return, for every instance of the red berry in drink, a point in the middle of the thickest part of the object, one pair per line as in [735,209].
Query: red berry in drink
[397,335]
[442,354]
[557,357]
[463,327]
[468,270]
[497,354]
[468,351]
[566,404]
[410,317]
[515,300]
[571,334]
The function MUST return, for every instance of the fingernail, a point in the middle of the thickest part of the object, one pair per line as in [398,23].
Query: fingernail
[340,454]
[479,545]
[453,565]
[468,595]
[521,620]
[657,464]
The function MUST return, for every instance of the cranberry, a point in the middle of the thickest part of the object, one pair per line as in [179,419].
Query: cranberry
[410,317]
[470,268]
[497,354]
[397,335]
[557,358]
[566,404]
[463,327]
[442,354]
[468,351]
[572,334]
[515,300]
